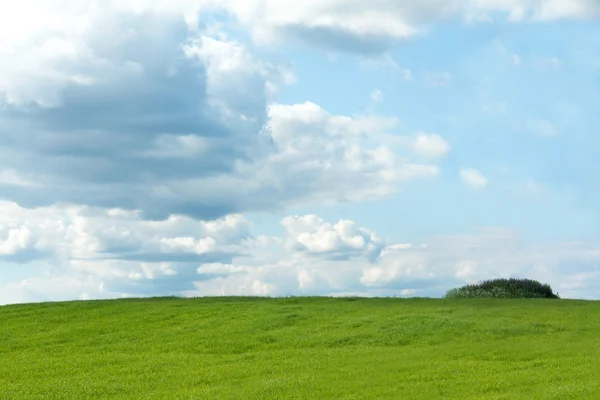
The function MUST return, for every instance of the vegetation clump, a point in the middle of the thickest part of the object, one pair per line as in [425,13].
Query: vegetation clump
[504,288]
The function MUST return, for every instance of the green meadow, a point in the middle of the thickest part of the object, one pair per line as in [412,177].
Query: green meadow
[301,348]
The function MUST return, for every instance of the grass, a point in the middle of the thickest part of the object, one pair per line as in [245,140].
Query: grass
[301,348]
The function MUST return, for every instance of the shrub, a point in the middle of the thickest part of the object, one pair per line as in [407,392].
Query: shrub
[504,288]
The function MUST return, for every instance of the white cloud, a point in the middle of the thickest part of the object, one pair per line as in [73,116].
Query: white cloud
[376,96]
[334,157]
[16,239]
[110,252]
[486,254]
[371,26]
[343,240]
[404,270]
[313,257]
[13,178]
[360,27]
[466,270]
[54,288]
[430,145]
[229,68]
[186,126]
[473,178]
[75,232]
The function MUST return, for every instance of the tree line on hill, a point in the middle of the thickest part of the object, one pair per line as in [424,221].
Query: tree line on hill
[504,288]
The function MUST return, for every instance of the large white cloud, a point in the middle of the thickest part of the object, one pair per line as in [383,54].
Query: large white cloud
[329,157]
[116,121]
[116,249]
[105,255]
[406,269]
[74,232]
[355,26]
[373,26]
[137,110]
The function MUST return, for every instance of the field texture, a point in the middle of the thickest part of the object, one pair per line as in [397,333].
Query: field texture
[301,348]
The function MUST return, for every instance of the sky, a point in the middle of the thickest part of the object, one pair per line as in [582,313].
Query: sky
[275,148]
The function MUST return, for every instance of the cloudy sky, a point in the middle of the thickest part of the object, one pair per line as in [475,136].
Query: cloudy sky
[319,147]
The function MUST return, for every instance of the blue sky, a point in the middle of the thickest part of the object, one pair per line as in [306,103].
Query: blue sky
[501,93]
[332,147]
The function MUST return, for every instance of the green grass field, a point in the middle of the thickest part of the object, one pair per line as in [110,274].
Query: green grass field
[301,348]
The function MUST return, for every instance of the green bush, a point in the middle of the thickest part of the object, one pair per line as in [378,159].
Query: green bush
[504,288]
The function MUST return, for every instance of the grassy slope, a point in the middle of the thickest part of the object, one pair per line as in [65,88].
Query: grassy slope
[301,348]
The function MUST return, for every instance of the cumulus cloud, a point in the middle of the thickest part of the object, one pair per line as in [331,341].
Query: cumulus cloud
[473,178]
[367,28]
[313,257]
[171,120]
[117,247]
[343,240]
[448,261]
[372,27]
[94,233]
[132,138]
[329,157]
[430,145]
[149,116]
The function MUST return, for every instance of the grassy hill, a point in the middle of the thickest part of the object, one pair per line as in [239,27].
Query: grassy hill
[301,348]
